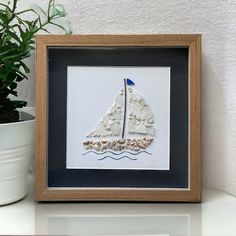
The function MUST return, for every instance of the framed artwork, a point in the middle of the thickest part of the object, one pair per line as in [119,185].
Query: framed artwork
[118,118]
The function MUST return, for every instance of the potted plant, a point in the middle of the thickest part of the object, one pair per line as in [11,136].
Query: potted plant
[17,127]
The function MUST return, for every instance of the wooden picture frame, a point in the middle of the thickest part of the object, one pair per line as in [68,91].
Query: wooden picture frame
[54,181]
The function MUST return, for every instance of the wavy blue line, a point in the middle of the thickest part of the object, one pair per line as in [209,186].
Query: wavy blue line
[133,159]
[114,153]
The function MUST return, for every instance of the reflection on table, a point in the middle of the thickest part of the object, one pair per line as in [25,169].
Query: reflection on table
[117,219]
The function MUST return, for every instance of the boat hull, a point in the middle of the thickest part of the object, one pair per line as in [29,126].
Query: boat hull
[135,144]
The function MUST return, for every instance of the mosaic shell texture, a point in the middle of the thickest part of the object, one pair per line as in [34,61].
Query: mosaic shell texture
[110,124]
[138,121]
[140,115]
[136,144]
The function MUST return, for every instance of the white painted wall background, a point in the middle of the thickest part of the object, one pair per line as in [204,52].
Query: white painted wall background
[216,21]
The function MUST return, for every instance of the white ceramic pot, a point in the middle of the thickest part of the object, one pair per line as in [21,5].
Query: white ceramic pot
[16,150]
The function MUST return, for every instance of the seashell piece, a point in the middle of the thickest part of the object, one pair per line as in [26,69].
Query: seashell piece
[115,148]
[141,144]
[109,144]
[129,147]
[86,143]
[121,141]
[96,147]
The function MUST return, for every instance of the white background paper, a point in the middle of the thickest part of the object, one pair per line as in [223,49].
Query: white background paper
[91,92]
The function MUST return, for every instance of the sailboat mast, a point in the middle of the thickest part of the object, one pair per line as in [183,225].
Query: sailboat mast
[125,105]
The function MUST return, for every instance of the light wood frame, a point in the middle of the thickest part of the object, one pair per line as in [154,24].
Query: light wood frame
[192,194]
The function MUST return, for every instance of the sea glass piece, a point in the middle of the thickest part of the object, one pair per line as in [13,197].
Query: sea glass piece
[101,131]
[141,129]
[151,131]
[140,114]
[112,116]
[116,129]
[119,100]
[131,126]
[130,82]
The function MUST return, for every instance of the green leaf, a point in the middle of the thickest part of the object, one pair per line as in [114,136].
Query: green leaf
[52,12]
[13,93]
[26,68]
[5,51]
[51,2]
[57,10]
[62,23]
[45,30]
[19,104]
[10,77]
[40,12]
[17,40]
[16,56]
[14,36]
[13,85]
[35,22]
[19,78]
[6,6]
[19,73]
[14,5]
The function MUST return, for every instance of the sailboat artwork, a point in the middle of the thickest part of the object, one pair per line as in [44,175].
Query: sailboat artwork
[128,126]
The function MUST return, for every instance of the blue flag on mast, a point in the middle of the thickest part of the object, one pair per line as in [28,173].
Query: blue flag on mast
[130,82]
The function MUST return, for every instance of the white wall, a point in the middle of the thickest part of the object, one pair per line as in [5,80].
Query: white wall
[216,21]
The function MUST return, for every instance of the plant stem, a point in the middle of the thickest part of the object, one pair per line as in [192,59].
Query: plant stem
[14,6]
[21,12]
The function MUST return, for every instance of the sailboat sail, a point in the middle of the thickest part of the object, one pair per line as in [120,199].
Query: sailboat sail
[140,115]
[131,108]
[110,124]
